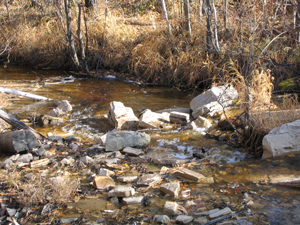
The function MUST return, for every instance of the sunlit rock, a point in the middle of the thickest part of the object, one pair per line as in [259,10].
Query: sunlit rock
[189,175]
[127,178]
[179,118]
[153,120]
[133,151]
[221,212]
[122,117]
[171,189]
[136,200]
[62,109]
[121,191]
[116,141]
[208,103]
[199,123]
[149,180]
[282,140]
[103,182]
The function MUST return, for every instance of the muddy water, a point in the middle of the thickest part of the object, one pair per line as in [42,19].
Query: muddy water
[236,177]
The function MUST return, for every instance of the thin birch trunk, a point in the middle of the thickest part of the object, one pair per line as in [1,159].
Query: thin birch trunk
[72,49]
[208,27]
[298,21]
[166,15]
[187,17]
[81,44]
[225,3]
[216,26]
[200,10]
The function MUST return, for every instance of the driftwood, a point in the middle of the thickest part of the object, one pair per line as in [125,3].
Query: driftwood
[18,141]
[25,94]
[17,124]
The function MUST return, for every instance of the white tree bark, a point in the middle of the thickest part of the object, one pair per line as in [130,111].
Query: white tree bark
[25,94]
[166,15]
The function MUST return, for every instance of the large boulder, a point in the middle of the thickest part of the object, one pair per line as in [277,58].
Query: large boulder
[118,140]
[208,103]
[282,140]
[153,120]
[122,117]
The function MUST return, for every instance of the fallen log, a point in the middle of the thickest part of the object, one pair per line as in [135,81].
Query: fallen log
[17,124]
[25,94]
[18,141]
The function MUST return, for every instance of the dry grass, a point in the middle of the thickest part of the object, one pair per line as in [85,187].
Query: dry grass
[40,190]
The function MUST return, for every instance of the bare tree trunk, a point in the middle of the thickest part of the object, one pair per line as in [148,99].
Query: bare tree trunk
[104,29]
[72,49]
[187,17]
[225,3]
[216,27]
[7,9]
[81,44]
[166,15]
[200,9]
[208,27]
[298,22]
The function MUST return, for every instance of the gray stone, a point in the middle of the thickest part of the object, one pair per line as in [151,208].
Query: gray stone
[68,220]
[104,182]
[67,161]
[106,172]
[7,163]
[179,118]
[149,180]
[190,175]
[171,189]
[26,158]
[221,212]
[11,212]
[161,219]
[184,219]
[169,161]
[153,120]
[114,160]
[62,109]
[201,220]
[121,191]
[133,200]
[119,140]
[127,178]
[282,140]
[41,151]
[171,207]
[122,117]
[87,160]
[206,213]
[133,151]
[208,103]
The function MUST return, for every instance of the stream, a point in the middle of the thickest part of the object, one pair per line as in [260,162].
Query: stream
[236,176]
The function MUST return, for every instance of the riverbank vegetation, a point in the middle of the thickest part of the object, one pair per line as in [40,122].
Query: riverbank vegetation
[254,45]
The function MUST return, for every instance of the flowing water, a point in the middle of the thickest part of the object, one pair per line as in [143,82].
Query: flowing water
[234,174]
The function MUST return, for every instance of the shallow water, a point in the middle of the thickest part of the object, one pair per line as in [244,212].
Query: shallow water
[90,99]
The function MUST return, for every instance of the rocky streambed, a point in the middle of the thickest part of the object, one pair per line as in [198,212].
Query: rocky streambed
[163,172]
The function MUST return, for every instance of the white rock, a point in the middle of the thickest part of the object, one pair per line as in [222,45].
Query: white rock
[149,180]
[122,117]
[153,120]
[164,219]
[133,200]
[283,140]
[62,109]
[121,191]
[133,151]
[179,118]
[184,219]
[127,178]
[171,188]
[221,212]
[207,103]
